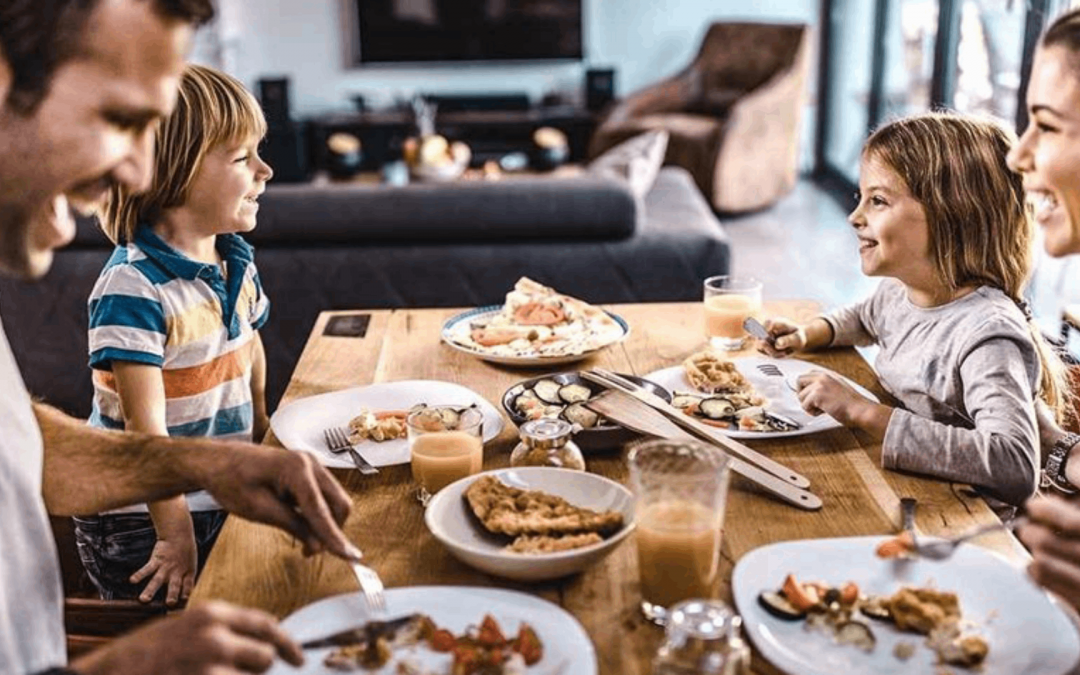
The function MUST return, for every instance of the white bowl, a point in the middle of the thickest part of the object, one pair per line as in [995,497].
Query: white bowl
[452,522]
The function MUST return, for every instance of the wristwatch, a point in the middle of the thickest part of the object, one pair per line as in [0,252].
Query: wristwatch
[1054,473]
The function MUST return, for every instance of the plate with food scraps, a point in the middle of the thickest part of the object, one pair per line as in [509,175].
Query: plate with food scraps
[765,395]
[535,346]
[1023,628]
[565,646]
[368,412]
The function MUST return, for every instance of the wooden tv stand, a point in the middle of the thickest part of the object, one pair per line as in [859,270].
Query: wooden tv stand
[489,133]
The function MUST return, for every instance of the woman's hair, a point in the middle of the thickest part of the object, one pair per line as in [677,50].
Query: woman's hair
[1065,32]
[980,230]
[212,109]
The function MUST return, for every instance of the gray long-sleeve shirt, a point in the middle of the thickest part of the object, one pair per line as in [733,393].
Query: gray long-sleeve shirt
[967,375]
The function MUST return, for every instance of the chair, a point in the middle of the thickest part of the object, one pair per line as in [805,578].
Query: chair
[733,113]
[89,621]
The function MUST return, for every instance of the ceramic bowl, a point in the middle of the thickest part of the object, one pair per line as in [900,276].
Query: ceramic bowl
[598,438]
[450,519]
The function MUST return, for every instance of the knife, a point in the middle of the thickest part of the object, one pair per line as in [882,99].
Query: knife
[361,634]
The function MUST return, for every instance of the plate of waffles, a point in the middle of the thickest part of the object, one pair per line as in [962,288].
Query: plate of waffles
[752,387]
[536,326]
[531,523]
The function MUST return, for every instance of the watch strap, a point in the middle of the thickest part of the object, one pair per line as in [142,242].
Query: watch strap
[1056,461]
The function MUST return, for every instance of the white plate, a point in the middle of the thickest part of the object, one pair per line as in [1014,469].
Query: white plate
[1026,631]
[300,424]
[567,648]
[483,312]
[782,399]
[450,519]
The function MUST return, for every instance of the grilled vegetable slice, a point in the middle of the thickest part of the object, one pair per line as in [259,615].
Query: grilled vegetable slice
[574,393]
[681,401]
[548,391]
[778,606]
[874,608]
[856,633]
[579,414]
[717,408]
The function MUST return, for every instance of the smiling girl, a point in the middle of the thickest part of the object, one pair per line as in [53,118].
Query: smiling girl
[943,219]
[174,319]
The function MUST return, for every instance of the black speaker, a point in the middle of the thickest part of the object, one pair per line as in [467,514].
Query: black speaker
[285,150]
[599,88]
[274,97]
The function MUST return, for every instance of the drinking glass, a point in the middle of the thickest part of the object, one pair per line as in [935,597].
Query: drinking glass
[440,453]
[729,300]
[681,492]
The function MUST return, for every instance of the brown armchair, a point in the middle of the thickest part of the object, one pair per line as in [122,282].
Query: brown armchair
[733,113]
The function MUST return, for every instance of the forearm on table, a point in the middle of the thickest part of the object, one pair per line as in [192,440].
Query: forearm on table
[1002,461]
[90,470]
[818,333]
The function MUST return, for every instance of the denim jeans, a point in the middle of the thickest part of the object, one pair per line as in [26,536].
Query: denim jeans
[113,547]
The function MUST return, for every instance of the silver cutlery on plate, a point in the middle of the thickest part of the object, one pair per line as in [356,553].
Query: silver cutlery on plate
[337,440]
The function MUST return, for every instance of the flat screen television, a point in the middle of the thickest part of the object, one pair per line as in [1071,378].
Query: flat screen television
[404,31]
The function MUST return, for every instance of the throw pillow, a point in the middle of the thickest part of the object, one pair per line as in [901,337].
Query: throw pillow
[636,161]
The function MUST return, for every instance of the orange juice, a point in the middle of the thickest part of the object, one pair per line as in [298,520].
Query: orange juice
[724,314]
[442,457]
[678,551]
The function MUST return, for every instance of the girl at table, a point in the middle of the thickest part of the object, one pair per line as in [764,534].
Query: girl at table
[942,217]
[174,319]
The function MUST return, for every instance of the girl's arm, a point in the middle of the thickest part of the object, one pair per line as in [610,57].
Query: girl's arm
[261,421]
[175,556]
[1000,453]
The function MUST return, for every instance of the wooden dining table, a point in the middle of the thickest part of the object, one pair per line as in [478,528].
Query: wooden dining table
[257,566]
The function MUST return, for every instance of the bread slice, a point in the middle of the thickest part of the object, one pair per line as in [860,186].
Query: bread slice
[509,510]
[539,543]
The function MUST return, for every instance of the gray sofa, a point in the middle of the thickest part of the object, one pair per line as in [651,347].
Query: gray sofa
[338,246]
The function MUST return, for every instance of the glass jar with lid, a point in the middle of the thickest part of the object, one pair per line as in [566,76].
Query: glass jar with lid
[547,442]
[704,637]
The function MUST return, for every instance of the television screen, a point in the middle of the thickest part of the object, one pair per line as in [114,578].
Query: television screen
[468,30]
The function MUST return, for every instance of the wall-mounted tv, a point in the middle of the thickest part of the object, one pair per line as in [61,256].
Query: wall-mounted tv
[403,31]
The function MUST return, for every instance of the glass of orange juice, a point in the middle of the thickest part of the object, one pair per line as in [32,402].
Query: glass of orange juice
[729,300]
[445,443]
[681,493]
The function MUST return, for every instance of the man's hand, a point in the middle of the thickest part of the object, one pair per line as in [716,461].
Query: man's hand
[172,564]
[211,638]
[1053,536]
[290,490]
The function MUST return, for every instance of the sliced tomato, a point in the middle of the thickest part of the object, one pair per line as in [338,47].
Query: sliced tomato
[443,640]
[539,314]
[490,634]
[527,643]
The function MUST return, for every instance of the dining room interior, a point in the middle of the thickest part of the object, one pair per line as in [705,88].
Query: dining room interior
[612,156]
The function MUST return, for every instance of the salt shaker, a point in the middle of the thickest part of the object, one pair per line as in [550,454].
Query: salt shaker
[546,442]
[704,637]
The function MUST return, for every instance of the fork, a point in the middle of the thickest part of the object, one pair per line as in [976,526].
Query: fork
[942,549]
[338,442]
[371,585]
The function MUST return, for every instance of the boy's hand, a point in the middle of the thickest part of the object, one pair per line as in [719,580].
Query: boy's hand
[787,338]
[173,562]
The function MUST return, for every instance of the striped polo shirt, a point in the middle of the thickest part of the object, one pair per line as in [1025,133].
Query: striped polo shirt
[154,305]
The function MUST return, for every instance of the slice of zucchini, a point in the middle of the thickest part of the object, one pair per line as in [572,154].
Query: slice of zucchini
[575,393]
[681,401]
[548,391]
[716,408]
[778,606]
[856,633]
[579,414]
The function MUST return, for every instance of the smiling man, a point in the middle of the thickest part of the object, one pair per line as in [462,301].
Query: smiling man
[83,84]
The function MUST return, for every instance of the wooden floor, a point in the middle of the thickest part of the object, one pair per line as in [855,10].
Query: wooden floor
[801,247]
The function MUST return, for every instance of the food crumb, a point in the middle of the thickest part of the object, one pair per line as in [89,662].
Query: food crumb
[904,650]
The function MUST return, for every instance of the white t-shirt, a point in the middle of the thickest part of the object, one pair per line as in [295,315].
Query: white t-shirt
[31,590]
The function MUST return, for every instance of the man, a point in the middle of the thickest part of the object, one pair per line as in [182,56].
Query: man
[83,83]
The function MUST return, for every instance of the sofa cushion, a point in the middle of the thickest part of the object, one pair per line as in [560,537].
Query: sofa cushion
[635,161]
[517,209]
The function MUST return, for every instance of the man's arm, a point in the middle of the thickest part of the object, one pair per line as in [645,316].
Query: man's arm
[89,470]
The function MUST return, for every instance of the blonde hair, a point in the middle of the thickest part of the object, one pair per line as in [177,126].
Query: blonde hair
[980,229]
[212,109]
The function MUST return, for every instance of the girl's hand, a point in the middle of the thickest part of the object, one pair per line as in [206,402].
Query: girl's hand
[172,563]
[787,338]
[821,392]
